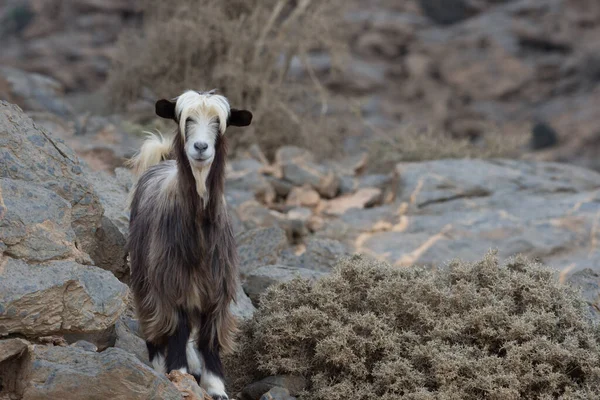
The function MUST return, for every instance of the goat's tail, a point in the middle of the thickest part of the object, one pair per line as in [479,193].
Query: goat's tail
[154,150]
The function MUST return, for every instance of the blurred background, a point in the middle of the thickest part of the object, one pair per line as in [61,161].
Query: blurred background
[401,80]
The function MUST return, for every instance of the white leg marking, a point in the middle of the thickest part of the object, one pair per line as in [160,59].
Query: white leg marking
[193,358]
[183,370]
[159,364]
[213,385]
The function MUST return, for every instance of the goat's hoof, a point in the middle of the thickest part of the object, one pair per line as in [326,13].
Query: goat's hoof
[219,396]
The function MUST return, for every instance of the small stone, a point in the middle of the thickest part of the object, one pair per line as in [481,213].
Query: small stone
[315,223]
[362,198]
[299,214]
[292,383]
[282,187]
[187,385]
[303,196]
[543,136]
[277,393]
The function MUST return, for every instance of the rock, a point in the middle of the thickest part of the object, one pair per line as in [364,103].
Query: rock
[588,282]
[315,223]
[282,187]
[128,339]
[260,246]
[323,254]
[85,345]
[255,215]
[111,235]
[277,393]
[13,356]
[12,348]
[450,209]
[73,373]
[298,222]
[103,142]
[542,136]
[54,340]
[34,92]
[261,278]
[242,308]
[58,297]
[246,175]
[113,192]
[445,12]
[293,384]
[361,199]
[186,384]
[300,215]
[37,223]
[46,172]
[110,251]
[298,167]
[348,184]
[379,181]
[303,196]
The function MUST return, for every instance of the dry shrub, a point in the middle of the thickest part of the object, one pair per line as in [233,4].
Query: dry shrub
[469,331]
[244,48]
[414,144]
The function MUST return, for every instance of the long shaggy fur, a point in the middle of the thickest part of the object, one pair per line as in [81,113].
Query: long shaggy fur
[182,254]
[156,148]
[182,248]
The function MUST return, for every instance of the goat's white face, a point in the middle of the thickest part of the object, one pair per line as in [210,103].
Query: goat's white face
[200,139]
[202,117]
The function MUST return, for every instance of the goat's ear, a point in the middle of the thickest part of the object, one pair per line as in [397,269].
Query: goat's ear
[239,117]
[165,109]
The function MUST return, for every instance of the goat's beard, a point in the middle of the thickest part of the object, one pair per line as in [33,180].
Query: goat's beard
[200,175]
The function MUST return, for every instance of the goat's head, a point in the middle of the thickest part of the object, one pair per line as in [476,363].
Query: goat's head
[201,116]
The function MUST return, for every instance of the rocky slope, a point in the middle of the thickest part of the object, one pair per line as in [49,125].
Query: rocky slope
[65,309]
[465,67]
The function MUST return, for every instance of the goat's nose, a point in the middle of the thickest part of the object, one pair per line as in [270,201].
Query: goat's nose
[201,146]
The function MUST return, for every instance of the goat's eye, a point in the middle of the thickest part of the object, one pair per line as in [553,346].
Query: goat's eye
[188,127]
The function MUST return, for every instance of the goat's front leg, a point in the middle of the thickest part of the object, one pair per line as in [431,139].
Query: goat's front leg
[177,345]
[213,378]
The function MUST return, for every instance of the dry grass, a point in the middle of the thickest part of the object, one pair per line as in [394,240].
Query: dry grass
[413,144]
[245,49]
[469,331]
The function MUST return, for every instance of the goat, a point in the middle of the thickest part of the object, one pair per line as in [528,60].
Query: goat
[181,245]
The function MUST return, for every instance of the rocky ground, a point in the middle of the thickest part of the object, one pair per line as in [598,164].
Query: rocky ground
[67,326]
[65,308]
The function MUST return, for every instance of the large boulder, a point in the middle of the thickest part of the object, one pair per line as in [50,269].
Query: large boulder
[49,209]
[58,297]
[461,208]
[51,232]
[73,373]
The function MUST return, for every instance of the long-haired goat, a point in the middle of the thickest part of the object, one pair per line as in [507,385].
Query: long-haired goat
[181,245]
